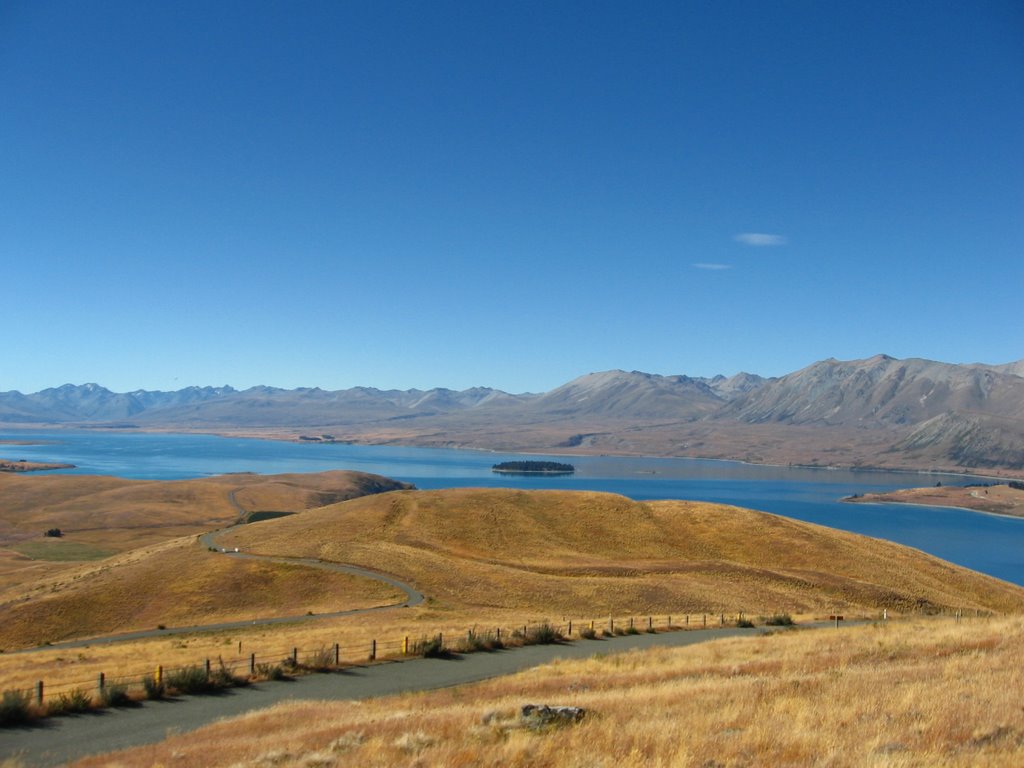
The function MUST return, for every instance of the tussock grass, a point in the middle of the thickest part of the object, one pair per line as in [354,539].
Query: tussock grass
[593,553]
[108,515]
[927,692]
[178,583]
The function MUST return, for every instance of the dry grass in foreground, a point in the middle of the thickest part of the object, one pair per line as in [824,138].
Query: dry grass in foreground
[921,693]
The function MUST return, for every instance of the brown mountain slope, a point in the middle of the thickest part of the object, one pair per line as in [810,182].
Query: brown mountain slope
[103,515]
[566,552]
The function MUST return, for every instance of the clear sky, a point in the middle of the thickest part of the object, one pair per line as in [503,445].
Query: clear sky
[420,194]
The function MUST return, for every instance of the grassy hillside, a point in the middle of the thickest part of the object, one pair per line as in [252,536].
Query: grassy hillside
[924,693]
[177,583]
[565,552]
[104,515]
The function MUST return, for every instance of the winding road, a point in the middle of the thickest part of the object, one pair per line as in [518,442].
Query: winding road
[209,540]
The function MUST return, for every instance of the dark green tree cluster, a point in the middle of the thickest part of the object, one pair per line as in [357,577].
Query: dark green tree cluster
[533,466]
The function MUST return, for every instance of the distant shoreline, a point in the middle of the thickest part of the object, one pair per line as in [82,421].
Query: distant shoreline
[1002,502]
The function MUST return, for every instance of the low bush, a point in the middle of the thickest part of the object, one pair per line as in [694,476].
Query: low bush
[779,620]
[194,679]
[320,660]
[271,672]
[477,641]
[587,633]
[153,690]
[71,703]
[744,623]
[430,649]
[542,634]
[15,708]
[116,696]
[632,631]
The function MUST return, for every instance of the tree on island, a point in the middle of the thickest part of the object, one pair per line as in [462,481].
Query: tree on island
[533,466]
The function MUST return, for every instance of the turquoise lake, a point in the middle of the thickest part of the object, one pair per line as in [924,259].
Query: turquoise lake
[986,543]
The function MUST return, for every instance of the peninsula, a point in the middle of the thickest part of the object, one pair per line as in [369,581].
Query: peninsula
[998,499]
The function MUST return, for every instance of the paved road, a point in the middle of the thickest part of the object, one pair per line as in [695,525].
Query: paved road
[412,597]
[61,739]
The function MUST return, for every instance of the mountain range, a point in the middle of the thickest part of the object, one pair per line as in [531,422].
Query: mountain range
[880,411]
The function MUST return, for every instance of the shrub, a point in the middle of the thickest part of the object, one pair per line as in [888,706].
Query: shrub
[632,631]
[542,634]
[115,696]
[430,649]
[154,691]
[14,708]
[271,672]
[744,623]
[587,633]
[70,703]
[779,620]
[320,660]
[476,641]
[194,679]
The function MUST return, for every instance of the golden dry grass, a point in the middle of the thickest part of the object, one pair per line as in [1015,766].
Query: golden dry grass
[921,693]
[118,515]
[176,583]
[568,552]
[485,558]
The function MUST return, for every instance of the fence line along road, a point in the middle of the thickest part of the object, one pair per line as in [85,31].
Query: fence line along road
[56,741]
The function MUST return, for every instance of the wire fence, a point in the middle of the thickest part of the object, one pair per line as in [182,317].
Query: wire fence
[244,666]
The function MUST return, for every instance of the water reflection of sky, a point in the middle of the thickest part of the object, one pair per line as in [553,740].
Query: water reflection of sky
[986,543]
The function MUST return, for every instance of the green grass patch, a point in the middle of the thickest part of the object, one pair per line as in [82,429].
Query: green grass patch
[61,550]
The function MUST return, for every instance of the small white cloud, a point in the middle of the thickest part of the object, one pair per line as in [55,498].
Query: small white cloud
[704,265]
[759,239]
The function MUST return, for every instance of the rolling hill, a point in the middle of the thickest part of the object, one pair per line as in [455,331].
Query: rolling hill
[592,553]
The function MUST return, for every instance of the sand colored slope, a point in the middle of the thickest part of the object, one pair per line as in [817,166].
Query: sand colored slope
[176,583]
[101,515]
[566,552]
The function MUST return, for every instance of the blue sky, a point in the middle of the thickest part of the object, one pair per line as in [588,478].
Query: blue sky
[426,194]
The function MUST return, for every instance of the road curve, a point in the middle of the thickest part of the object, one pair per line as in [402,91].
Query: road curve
[412,597]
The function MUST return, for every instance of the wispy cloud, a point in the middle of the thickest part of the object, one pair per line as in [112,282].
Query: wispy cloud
[759,239]
[713,267]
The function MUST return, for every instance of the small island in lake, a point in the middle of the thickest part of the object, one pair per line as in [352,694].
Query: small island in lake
[534,468]
[6,465]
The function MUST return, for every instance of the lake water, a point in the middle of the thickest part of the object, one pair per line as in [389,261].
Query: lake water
[986,543]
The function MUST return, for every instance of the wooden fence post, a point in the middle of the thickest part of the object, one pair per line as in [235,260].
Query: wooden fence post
[101,683]
[569,633]
[295,656]
[337,654]
[373,650]
[704,618]
[252,663]
[650,623]
[39,693]
[159,676]
[405,646]
[207,667]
